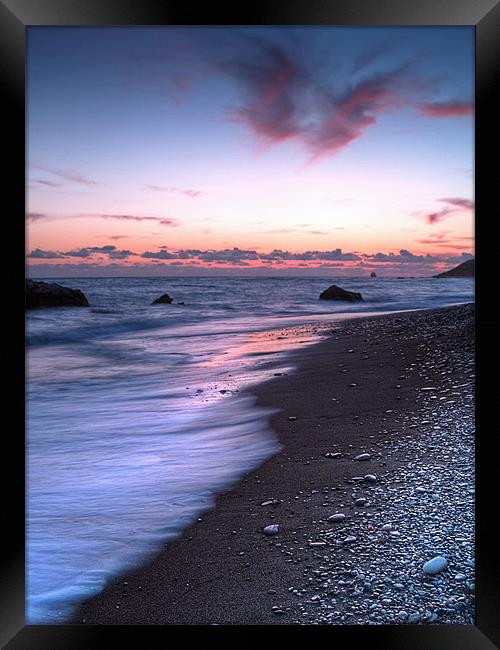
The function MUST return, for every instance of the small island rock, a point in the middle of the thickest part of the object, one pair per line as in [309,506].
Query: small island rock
[465,270]
[165,299]
[336,293]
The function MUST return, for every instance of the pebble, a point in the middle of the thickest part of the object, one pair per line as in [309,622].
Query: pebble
[363,457]
[337,517]
[370,478]
[273,529]
[436,565]
[360,502]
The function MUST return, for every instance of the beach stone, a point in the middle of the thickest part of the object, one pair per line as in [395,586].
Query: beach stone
[273,529]
[45,294]
[360,502]
[337,517]
[362,457]
[414,618]
[370,478]
[436,565]
[337,293]
[165,299]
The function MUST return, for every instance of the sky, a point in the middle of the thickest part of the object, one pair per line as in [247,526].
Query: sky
[249,150]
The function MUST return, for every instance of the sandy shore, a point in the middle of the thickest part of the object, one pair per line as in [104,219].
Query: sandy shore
[361,390]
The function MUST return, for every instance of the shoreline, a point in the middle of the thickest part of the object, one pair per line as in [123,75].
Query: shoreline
[223,569]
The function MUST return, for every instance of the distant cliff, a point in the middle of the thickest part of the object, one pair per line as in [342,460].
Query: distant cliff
[464,270]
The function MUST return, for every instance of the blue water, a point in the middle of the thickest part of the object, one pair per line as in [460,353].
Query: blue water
[135,417]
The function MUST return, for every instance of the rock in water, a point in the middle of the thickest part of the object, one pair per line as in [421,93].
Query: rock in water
[45,294]
[336,293]
[373,274]
[163,300]
[436,565]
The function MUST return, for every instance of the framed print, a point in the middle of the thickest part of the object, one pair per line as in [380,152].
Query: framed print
[250,361]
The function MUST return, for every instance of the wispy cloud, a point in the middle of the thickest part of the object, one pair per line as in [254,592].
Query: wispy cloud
[285,231]
[285,96]
[466,204]
[47,183]
[434,217]
[447,109]
[71,175]
[453,205]
[160,188]
[162,221]
[36,216]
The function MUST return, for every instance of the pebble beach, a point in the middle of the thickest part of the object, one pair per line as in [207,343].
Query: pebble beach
[365,516]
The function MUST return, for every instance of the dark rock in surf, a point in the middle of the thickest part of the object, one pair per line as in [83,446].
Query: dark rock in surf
[373,274]
[163,300]
[45,294]
[336,293]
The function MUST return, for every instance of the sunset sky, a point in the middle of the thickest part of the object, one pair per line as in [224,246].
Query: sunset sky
[158,151]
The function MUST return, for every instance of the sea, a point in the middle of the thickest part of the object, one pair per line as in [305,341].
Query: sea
[137,414]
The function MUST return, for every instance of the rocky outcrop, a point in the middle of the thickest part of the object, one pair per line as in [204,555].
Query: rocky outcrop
[465,270]
[45,294]
[373,274]
[165,299]
[336,293]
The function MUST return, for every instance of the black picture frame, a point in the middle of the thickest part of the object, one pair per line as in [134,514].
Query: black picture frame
[484,15]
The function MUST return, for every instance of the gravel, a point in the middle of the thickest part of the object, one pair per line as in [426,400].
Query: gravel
[407,555]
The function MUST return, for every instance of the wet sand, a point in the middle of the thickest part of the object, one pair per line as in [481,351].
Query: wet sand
[349,395]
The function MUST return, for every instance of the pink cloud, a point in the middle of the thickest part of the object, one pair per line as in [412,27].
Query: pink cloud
[466,204]
[159,188]
[35,216]
[71,175]
[447,109]
[132,217]
[453,205]
[48,183]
